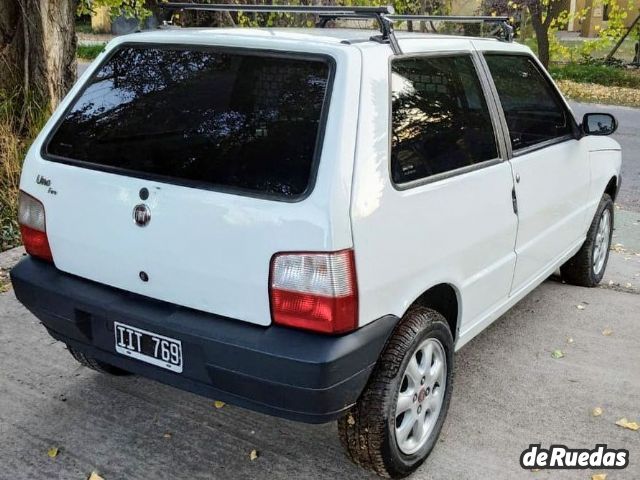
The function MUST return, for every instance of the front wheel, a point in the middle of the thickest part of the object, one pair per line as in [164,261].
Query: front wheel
[586,268]
[395,424]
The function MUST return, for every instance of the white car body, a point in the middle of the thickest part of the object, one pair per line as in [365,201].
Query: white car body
[211,251]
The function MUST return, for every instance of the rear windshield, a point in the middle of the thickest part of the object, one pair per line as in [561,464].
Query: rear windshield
[239,121]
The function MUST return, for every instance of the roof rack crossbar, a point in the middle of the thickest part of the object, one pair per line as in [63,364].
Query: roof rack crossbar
[505,27]
[450,18]
[311,9]
[383,15]
[326,13]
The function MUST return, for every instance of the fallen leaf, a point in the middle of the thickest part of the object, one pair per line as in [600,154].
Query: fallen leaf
[607,332]
[599,476]
[95,476]
[167,435]
[618,247]
[580,307]
[628,285]
[610,282]
[218,404]
[351,420]
[253,455]
[589,92]
[570,340]
[596,412]
[4,287]
[557,354]
[624,423]
[53,452]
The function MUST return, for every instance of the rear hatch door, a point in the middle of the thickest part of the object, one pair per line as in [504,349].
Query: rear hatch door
[177,172]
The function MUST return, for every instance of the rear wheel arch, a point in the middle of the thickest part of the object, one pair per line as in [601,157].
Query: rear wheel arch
[444,298]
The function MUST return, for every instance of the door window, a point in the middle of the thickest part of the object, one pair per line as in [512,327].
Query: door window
[532,107]
[440,119]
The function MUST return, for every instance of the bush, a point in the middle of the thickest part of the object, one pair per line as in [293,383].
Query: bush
[18,127]
[596,73]
[89,52]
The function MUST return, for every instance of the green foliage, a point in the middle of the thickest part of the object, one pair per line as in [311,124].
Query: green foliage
[557,49]
[20,121]
[128,8]
[613,31]
[83,26]
[89,52]
[250,19]
[598,74]
[584,51]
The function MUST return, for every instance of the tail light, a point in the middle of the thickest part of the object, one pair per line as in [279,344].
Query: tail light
[32,226]
[315,291]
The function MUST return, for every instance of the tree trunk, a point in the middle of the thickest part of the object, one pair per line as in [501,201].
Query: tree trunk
[542,38]
[37,49]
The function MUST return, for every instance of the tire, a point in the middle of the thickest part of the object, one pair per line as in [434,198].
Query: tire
[586,268]
[96,365]
[368,430]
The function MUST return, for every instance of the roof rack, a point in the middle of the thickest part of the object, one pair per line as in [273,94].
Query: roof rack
[384,16]
[505,29]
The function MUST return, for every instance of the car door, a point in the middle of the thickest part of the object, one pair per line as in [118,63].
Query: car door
[550,166]
[446,214]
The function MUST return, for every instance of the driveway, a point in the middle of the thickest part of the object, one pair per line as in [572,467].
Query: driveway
[509,392]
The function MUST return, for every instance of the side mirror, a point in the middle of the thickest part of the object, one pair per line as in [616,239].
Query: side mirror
[599,123]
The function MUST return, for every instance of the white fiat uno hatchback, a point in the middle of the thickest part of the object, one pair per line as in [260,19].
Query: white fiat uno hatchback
[309,222]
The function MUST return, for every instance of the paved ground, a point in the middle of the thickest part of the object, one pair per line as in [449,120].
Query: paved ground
[509,392]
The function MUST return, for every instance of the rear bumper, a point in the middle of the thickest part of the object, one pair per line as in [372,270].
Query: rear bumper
[275,370]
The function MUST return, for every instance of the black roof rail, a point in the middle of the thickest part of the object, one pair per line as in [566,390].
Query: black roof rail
[313,9]
[383,15]
[505,26]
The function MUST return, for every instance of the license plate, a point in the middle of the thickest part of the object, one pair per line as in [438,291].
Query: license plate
[148,347]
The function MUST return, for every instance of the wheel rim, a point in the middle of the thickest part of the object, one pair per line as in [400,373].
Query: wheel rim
[601,244]
[420,396]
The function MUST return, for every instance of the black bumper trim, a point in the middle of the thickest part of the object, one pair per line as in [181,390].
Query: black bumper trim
[276,370]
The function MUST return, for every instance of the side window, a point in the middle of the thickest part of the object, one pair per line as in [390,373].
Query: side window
[440,119]
[531,105]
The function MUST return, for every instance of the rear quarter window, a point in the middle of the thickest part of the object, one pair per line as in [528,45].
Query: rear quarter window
[440,119]
[206,117]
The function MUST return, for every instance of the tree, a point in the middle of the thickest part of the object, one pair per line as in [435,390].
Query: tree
[37,49]
[37,68]
[543,14]
[139,9]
